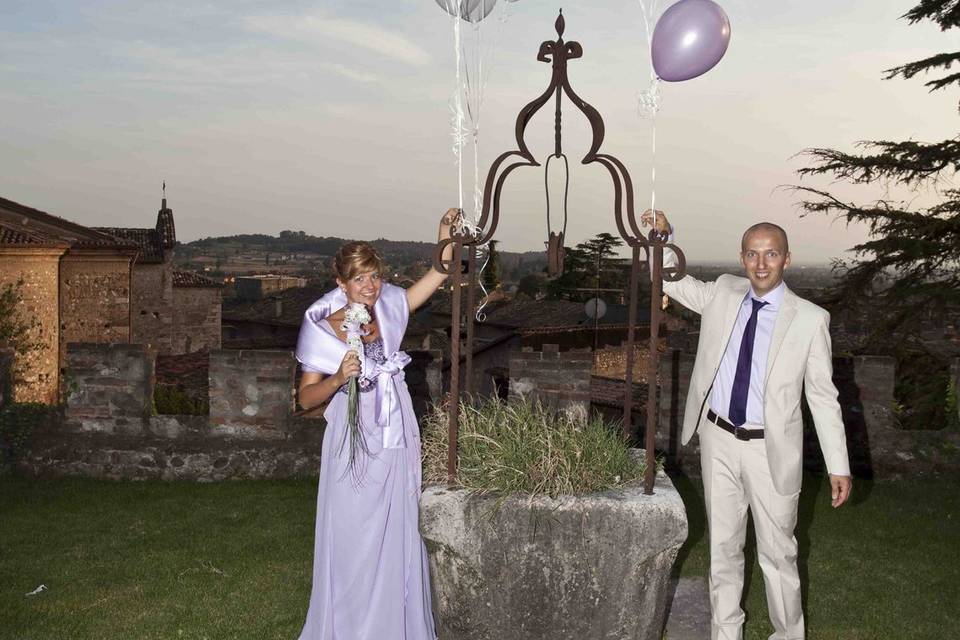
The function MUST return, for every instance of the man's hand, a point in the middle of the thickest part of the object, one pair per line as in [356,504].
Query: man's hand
[840,488]
[662,225]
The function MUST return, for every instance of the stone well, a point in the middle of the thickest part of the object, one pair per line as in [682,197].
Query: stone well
[592,567]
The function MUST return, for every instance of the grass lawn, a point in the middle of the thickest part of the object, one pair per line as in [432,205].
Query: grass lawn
[233,560]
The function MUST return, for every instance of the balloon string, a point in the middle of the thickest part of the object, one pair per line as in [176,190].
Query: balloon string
[649,103]
[458,103]
[477,196]
[653,165]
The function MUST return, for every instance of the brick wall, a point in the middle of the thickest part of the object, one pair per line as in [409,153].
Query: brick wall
[109,387]
[152,306]
[94,300]
[559,380]
[196,320]
[39,269]
[109,429]
[251,387]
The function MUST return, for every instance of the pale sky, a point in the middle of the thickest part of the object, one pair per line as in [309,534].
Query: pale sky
[332,116]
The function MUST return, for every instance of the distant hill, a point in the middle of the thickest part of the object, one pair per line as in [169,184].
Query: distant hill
[396,252]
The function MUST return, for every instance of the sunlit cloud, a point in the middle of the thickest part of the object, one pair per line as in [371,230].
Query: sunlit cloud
[314,28]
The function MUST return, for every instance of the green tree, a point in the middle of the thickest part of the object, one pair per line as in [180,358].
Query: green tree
[576,273]
[907,272]
[17,330]
[530,285]
[911,259]
[606,269]
[490,276]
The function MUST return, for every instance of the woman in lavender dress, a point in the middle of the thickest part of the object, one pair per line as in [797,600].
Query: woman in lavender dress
[370,574]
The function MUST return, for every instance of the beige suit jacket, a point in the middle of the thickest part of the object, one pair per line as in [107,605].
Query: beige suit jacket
[799,360]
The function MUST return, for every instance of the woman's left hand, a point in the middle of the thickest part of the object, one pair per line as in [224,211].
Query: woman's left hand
[450,218]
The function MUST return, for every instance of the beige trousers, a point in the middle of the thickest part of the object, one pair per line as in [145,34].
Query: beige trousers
[736,476]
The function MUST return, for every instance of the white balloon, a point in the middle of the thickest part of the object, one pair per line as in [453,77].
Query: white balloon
[470,10]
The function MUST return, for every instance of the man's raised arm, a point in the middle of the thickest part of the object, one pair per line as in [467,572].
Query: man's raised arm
[688,291]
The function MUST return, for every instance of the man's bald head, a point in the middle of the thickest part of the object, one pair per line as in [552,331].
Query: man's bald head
[767,227]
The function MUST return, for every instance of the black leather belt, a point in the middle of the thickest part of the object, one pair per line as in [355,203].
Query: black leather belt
[739,432]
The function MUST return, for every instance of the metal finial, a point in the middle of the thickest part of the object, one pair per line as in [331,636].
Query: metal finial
[560,24]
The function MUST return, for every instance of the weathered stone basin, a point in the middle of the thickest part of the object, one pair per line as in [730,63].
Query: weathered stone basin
[593,567]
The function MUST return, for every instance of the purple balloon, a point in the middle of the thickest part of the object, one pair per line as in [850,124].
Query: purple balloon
[689,39]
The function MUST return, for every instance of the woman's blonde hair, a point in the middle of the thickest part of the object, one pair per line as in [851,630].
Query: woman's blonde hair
[356,257]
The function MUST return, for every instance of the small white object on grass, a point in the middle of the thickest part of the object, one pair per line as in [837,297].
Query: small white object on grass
[42,587]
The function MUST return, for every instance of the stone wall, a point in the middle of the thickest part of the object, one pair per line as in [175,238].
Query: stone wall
[110,430]
[94,300]
[559,380]
[491,366]
[39,269]
[109,388]
[152,306]
[874,443]
[251,387]
[196,320]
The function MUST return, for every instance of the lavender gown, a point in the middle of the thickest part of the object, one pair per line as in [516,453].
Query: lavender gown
[370,575]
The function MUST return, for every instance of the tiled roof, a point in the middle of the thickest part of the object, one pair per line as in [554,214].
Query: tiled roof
[148,240]
[166,234]
[284,308]
[523,313]
[17,236]
[26,225]
[609,392]
[192,279]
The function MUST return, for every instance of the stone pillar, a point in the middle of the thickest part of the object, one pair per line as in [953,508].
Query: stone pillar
[6,376]
[558,380]
[424,374]
[424,377]
[676,367]
[109,387]
[874,378]
[253,388]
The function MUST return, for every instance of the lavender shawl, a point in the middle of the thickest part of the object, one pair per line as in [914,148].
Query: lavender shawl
[319,349]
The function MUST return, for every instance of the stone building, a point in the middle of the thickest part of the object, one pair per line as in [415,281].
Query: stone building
[196,312]
[262,286]
[76,288]
[172,311]
[99,285]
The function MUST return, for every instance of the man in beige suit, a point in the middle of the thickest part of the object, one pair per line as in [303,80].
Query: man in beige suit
[760,347]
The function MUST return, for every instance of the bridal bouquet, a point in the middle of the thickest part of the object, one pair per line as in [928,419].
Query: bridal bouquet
[354,317]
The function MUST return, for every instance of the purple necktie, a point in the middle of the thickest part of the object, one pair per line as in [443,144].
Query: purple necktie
[741,381]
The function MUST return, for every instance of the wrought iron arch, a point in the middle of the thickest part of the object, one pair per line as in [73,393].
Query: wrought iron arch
[558,53]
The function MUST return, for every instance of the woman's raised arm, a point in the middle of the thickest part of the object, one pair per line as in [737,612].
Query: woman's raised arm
[420,291]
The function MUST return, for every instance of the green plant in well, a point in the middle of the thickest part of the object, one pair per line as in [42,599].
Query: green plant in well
[17,423]
[518,446]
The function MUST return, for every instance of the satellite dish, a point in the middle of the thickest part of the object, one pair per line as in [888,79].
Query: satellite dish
[595,308]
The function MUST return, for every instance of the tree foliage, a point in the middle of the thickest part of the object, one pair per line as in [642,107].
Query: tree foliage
[591,264]
[910,261]
[490,276]
[17,328]
[906,274]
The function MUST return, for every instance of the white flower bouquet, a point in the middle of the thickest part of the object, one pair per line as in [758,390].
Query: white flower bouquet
[355,316]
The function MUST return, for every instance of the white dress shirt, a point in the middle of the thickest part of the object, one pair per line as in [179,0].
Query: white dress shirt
[723,383]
